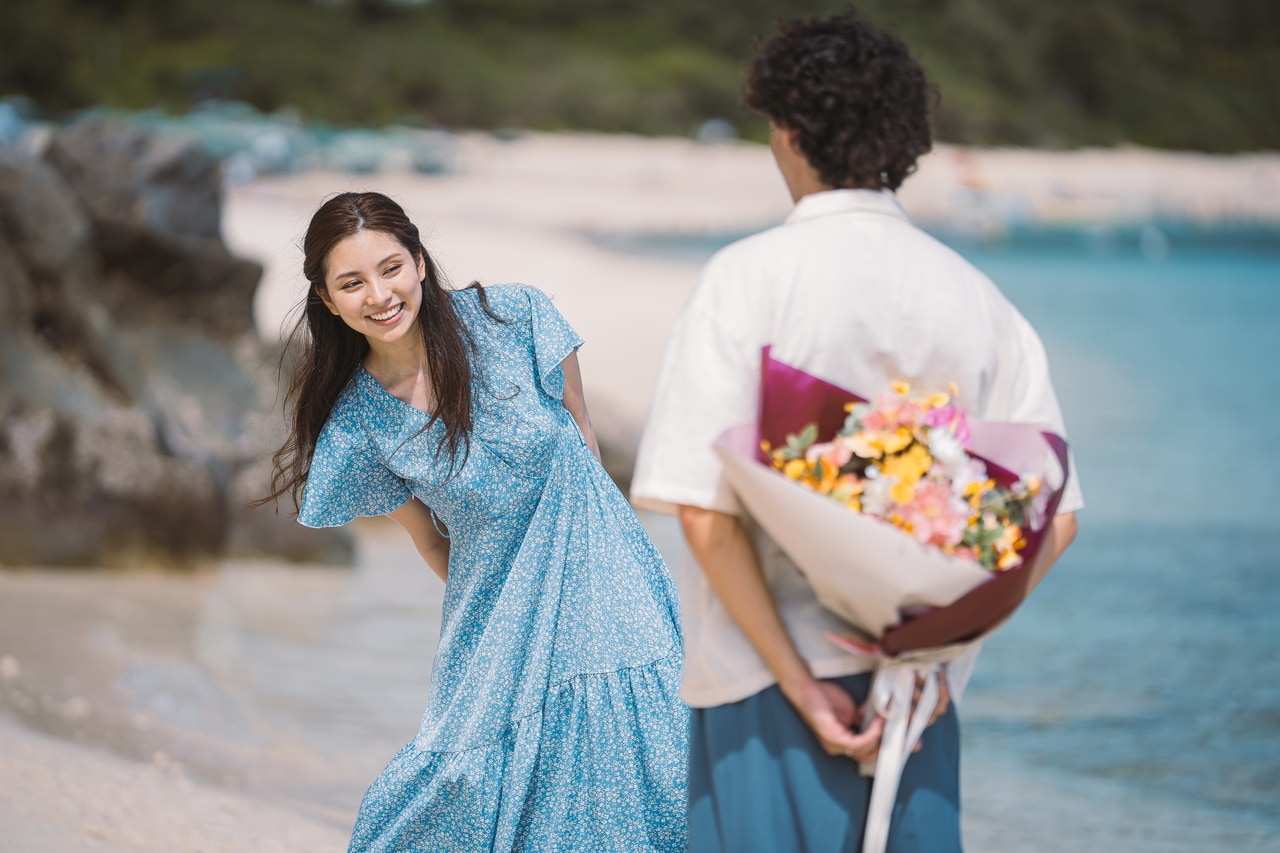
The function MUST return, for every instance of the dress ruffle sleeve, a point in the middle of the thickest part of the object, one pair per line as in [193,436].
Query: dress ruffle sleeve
[553,340]
[347,479]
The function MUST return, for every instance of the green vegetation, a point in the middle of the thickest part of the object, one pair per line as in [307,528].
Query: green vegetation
[1196,74]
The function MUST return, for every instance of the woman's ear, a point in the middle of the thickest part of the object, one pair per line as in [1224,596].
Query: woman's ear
[323,293]
[422,267]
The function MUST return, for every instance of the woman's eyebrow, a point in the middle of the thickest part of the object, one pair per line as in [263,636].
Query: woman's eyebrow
[390,257]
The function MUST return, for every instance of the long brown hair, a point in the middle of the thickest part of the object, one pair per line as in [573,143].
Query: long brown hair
[329,351]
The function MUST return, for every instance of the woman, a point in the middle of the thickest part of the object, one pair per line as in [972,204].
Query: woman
[848,290]
[552,721]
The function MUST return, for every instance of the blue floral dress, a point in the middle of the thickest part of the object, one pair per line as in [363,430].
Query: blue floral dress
[552,722]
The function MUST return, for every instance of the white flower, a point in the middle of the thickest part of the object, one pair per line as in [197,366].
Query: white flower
[876,499]
[945,447]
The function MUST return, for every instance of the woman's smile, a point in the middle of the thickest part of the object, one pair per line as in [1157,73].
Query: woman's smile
[386,318]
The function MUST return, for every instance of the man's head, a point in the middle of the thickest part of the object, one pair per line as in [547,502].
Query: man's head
[846,99]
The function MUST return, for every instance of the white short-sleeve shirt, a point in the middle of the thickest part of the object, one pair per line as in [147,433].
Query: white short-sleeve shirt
[849,290]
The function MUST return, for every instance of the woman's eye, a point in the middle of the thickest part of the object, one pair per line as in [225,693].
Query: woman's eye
[350,285]
[393,269]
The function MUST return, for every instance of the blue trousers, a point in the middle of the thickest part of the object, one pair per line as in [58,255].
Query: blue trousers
[760,783]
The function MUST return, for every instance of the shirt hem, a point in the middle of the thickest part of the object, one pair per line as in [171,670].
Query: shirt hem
[727,694]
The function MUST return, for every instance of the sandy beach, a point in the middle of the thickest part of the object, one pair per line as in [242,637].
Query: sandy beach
[246,706]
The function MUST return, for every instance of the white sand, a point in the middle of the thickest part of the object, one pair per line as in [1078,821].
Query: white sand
[60,797]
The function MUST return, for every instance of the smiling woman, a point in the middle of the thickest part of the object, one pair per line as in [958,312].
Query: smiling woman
[390,288]
[552,718]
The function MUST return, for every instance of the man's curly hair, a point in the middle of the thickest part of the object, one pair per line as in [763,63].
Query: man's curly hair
[855,94]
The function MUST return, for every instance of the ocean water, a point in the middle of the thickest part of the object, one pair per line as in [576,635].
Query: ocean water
[1151,656]
[1133,703]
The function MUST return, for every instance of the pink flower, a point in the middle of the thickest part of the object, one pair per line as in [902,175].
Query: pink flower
[838,455]
[951,419]
[935,516]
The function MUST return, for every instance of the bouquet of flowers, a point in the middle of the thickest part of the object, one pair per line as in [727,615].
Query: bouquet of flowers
[908,520]
[902,459]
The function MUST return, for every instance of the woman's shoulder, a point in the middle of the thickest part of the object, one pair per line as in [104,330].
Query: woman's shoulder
[507,301]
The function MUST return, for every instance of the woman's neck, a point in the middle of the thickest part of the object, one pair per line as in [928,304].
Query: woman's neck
[393,363]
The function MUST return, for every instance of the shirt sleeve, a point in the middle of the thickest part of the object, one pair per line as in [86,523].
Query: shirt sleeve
[553,341]
[709,382]
[1023,393]
[347,479]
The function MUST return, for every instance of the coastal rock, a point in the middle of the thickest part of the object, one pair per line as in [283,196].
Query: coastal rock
[135,396]
[155,202]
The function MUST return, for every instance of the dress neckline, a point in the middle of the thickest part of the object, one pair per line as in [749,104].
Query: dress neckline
[382,393]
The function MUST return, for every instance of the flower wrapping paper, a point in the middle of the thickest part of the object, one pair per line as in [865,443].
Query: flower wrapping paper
[907,596]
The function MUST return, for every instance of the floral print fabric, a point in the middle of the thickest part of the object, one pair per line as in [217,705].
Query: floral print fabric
[552,722]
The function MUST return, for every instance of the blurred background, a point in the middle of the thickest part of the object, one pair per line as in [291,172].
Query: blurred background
[178,672]
[1191,74]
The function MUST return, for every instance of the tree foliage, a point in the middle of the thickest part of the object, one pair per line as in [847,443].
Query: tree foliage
[1198,74]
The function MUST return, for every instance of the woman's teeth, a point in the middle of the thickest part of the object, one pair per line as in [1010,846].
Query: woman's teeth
[388,314]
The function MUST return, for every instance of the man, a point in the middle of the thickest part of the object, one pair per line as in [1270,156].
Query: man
[846,289]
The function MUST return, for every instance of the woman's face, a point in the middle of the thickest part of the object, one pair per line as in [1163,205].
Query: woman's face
[374,284]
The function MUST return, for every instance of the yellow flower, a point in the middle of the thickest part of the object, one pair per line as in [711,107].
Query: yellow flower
[897,440]
[796,469]
[865,445]
[900,388]
[910,466]
[827,480]
[937,400]
[1011,539]
[1008,560]
[902,493]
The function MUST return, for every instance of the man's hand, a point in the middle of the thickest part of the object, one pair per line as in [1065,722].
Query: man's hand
[832,715]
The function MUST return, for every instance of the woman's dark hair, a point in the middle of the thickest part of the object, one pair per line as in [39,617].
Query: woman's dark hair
[326,351]
[858,99]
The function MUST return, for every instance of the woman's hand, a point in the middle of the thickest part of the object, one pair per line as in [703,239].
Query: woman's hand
[833,715]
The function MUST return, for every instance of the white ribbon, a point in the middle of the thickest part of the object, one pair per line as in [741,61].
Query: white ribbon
[892,691]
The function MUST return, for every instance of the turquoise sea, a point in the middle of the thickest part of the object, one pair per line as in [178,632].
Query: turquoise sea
[1133,703]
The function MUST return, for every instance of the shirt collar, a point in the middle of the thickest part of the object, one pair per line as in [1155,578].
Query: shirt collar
[832,202]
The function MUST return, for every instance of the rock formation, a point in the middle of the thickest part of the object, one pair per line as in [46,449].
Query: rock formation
[135,396]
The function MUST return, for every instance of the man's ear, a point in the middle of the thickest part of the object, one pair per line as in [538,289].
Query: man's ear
[791,138]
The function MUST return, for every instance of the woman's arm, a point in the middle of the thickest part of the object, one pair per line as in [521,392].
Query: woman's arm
[576,402]
[415,517]
[729,561]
